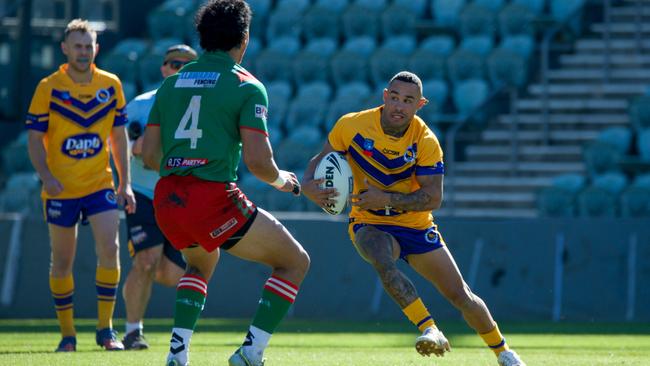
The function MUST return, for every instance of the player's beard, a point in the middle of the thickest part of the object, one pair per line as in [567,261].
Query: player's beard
[81,66]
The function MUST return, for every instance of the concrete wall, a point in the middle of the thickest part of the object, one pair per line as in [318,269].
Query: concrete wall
[515,273]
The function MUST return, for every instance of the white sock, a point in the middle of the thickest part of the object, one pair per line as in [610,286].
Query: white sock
[130,327]
[259,339]
[179,346]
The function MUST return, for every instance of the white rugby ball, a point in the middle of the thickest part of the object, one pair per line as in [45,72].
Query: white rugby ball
[337,174]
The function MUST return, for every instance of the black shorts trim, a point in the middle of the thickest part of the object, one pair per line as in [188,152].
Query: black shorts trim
[236,237]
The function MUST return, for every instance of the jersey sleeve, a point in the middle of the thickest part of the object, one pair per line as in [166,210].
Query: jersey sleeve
[120,110]
[429,158]
[254,112]
[337,136]
[39,109]
[154,114]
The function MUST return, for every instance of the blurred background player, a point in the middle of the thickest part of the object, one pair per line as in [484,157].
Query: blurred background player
[202,121]
[153,256]
[73,113]
[397,166]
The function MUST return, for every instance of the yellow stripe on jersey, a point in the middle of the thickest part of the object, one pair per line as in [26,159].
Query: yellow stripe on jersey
[387,162]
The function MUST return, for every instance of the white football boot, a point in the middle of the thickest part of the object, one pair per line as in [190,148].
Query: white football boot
[242,358]
[432,341]
[510,358]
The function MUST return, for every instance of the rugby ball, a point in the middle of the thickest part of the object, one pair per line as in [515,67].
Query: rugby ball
[337,174]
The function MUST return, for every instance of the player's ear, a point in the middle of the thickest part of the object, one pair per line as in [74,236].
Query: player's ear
[64,48]
[96,49]
[422,102]
[385,95]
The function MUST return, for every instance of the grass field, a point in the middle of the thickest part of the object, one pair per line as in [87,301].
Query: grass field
[326,343]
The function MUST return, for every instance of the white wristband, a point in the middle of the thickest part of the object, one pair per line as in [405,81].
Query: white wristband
[279,182]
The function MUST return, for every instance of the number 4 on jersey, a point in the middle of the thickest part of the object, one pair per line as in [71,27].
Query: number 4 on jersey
[193,132]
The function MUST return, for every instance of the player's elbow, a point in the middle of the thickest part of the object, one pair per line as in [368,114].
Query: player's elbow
[435,202]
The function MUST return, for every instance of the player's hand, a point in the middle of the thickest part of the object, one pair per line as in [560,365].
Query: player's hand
[52,186]
[136,149]
[126,198]
[320,196]
[370,199]
[291,185]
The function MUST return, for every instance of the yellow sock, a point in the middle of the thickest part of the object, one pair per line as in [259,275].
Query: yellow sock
[107,280]
[494,339]
[419,315]
[62,289]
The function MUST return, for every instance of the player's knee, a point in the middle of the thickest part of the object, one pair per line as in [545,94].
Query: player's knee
[146,262]
[302,263]
[462,299]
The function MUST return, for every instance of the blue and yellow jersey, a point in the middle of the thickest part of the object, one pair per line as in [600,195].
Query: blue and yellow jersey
[77,120]
[387,162]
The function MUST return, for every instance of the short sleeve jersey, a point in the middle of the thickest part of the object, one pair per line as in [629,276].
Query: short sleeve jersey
[77,120]
[143,179]
[387,162]
[201,110]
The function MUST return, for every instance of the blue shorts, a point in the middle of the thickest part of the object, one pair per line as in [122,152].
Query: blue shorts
[144,232]
[411,241]
[66,212]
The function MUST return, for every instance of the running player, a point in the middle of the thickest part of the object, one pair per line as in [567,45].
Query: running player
[204,118]
[397,169]
[154,259]
[73,113]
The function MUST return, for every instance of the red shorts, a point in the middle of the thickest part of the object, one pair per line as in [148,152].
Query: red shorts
[190,210]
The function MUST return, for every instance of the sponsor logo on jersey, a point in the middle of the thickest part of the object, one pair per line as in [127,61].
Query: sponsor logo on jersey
[368,145]
[85,145]
[389,152]
[431,236]
[409,155]
[185,162]
[261,112]
[193,79]
[223,228]
[110,197]
[53,212]
[102,95]
[67,99]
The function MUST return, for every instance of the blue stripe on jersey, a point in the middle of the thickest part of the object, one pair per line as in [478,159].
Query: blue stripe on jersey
[106,291]
[439,168]
[38,126]
[64,301]
[84,122]
[120,120]
[380,158]
[86,107]
[385,179]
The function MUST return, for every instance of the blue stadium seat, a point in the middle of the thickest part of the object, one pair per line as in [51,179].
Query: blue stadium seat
[325,47]
[643,144]
[317,90]
[446,13]
[384,64]
[348,66]
[481,45]
[360,21]
[275,135]
[639,112]
[508,68]
[635,202]
[477,20]
[398,20]
[132,48]
[309,107]
[321,22]
[571,182]
[536,6]
[279,89]
[463,65]
[516,19]
[170,19]
[252,52]
[618,137]
[300,145]
[522,45]
[601,157]
[287,44]
[261,10]
[561,9]
[416,6]
[122,66]
[470,94]
[335,5]
[284,21]
[428,65]
[441,45]
[403,44]
[300,5]
[350,97]
[273,65]
[362,45]
[559,200]
[493,5]
[436,91]
[160,46]
[309,66]
[601,198]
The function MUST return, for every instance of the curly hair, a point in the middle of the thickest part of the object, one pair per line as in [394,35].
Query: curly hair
[222,24]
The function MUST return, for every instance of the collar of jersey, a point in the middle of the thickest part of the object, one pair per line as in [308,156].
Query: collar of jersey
[63,69]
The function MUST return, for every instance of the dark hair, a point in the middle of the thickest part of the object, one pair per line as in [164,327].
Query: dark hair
[407,77]
[222,24]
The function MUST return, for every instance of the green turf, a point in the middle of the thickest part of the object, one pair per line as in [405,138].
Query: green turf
[327,343]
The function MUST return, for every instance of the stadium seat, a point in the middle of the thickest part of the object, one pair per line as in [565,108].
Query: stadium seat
[275,135]
[556,202]
[284,21]
[493,5]
[521,44]
[169,20]
[300,145]
[384,64]
[635,200]
[441,45]
[335,5]
[477,20]
[600,158]
[309,107]
[507,68]
[160,46]
[353,90]
[348,66]
[273,65]
[261,10]
[561,9]
[398,20]
[436,91]
[469,94]
[362,45]
[279,93]
[287,44]
[325,47]
[279,89]
[570,182]
[360,21]
[643,144]
[463,65]
[300,5]
[133,48]
[349,98]
[601,198]
[376,5]
[639,112]
[416,6]
[618,137]
[252,52]
[122,66]
[428,65]
[310,66]
[321,22]
[536,6]
[516,19]
[481,45]
[446,12]
[403,44]
[318,90]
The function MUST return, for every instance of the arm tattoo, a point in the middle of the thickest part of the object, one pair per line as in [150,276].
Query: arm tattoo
[415,201]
